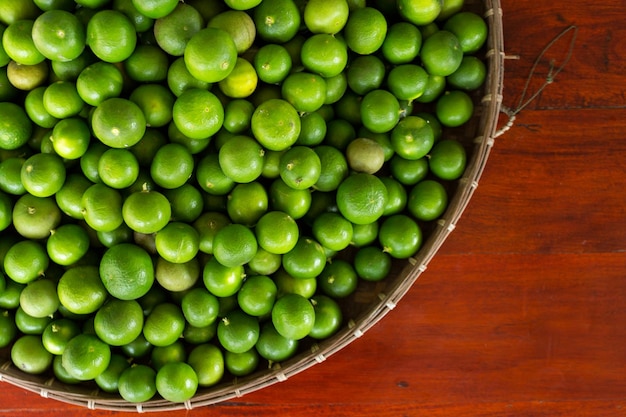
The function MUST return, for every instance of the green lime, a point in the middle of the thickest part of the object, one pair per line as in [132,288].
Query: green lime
[101,207]
[207,360]
[441,53]
[43,174]
[234,245]
[39,298]
[198,113]
[324,54]
[119,322]
[71,137]
[277,21]
[332,231]
[470,75]
[172,166]
[402,43]
[274,347]
[470,28]
[59,35]
[300,167]
[380,111]
[448,159]
[427,200]
[238,332]
[400,236]
[412,138]
[241,159]
[200,307]
[30,356]
[361,198]
[127,271]
[67,244]
[305,91]
[146,211]
[137,383]
[241,364]
[257,295]
[34,217]
[338,279]
[81,291]
[293,316]
[454,108]
[164,325]
[276,124]
[220,280]
[306,260]
[328,317]
[294,202]
[272,63]
[277,232]
[371,263]
[215,64]
[118,168]
[173,31]
[85,357]
[118,122]
[25,261]
[177,382]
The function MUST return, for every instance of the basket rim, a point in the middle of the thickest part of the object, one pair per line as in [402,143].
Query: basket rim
[319,352]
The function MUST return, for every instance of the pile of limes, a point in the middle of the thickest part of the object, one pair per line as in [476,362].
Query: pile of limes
[188,189]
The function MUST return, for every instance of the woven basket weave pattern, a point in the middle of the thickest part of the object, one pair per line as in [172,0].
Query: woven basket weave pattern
[369,304]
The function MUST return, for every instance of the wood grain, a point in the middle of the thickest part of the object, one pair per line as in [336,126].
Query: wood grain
[522,311]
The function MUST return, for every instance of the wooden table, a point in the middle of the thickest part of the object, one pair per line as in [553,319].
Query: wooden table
[522,311]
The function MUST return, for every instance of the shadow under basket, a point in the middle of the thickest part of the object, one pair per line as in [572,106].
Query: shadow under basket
[369,303]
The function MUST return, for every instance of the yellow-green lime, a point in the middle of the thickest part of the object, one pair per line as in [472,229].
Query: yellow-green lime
[241,82]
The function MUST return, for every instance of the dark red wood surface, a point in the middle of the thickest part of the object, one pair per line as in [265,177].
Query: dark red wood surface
[523,310]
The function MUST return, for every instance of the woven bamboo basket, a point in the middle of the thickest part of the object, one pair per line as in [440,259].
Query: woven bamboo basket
[369,304]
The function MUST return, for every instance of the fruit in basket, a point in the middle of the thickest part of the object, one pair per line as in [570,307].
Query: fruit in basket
[197,185]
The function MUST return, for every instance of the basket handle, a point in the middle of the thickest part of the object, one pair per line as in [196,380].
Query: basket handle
[553,71]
